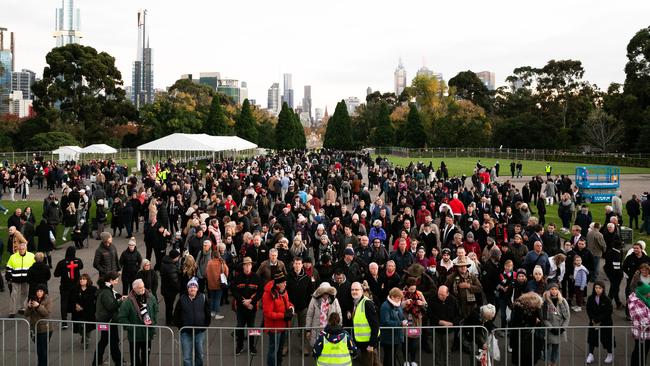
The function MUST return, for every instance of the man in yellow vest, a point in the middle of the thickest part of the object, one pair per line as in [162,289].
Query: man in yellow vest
[16,274]
[547,170]
[365,319]
[334,346]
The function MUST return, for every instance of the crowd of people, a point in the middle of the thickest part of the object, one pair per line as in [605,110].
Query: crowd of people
[338,243]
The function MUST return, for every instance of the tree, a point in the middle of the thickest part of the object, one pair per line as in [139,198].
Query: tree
[284,130]
[52,140]
[384,133]
[637,92]
[81,93]
[216,124]
[467,85]
[246,127]
[299,138]
[414,135]
[602,131]
[338,134]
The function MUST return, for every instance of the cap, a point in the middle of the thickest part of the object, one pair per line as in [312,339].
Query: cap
[193,283]
[173,254]
[247,260]
[279,278]
[349,251]
[446,251]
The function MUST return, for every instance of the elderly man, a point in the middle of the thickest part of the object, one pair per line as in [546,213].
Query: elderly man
[16,275]
[16,238]
[366,327]
[141,310]
[537,257]
[271,267]
[465,287]
[443,311]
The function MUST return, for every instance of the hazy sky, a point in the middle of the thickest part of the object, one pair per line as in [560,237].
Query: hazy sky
[340,47]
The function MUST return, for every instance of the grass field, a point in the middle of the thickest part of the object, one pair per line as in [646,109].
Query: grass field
[459,166]
[37,209]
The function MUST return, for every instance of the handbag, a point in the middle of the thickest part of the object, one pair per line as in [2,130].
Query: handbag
[224,279]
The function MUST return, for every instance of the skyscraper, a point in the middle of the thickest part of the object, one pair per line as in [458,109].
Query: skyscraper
[352,103]
[210,79]
[142,83]
[22,81]
[400,78]
[306,100]
[287,97]
[67,24]
[7,64]
[243,92]
[488,78]
[273,100]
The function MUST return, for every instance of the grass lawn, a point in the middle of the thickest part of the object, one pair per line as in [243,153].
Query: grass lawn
[37,209]
[459,166]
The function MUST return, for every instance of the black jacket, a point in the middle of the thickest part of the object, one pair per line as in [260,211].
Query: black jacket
[69,269]
[130,262]
[299,286]
[600,313]
[245,287]
[169,282]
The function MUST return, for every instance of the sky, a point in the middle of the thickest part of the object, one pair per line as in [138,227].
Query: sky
[340,47]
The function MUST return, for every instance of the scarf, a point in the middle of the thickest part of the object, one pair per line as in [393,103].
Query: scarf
[642,291]
[324,312]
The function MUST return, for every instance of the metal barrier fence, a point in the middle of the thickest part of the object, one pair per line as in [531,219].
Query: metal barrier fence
[80,342]
[422,345]
[493,152]
[15,344]
[456,345]
[567,346]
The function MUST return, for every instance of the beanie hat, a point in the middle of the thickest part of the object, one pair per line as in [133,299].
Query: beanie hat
[279,278]
[193,283]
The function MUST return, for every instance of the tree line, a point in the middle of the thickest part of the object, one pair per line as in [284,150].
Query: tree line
[550,107]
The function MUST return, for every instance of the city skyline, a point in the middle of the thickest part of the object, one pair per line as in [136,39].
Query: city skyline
[512,41]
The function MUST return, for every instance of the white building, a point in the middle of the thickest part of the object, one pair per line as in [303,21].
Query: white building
[273,99]
[488,78]
[400,78]
[352,103]
[19,106]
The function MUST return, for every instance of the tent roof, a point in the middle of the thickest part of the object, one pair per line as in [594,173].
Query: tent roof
[99,149]
[198,142]
[61,149]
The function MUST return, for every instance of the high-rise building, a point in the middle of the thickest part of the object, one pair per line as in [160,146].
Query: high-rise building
[318,115]
[5,80]
[352,103]
[287,97]
[67,24]
[243,92]
[306,100]
[488,78]
[368,90]
[19,105]
[23,80]
[229,87]
[400,78]
[273,99]
[210,79]
[142,91]
[424,71]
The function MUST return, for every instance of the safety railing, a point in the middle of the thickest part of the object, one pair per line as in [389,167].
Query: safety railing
[608,345]
[91,343]
[15,344]
[293,346]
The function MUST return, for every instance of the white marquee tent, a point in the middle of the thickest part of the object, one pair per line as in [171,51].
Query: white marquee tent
[98,149]
[68,153]
[184,147]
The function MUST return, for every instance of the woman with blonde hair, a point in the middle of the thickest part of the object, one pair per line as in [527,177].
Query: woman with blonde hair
[298,247]
[188,271]
[556,315]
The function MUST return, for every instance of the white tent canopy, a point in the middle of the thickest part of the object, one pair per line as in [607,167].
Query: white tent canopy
[99,149]
[68,153]
[189,147]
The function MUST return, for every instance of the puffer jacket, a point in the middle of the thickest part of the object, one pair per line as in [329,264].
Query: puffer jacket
[275,305]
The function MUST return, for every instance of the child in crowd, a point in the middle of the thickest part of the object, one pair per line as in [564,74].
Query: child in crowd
[580,275]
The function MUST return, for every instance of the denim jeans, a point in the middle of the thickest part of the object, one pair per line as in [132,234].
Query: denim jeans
[276,342]
[215,300]
[192,342]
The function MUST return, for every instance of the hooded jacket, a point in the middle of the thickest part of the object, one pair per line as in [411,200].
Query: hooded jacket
[334,334]
[69,269]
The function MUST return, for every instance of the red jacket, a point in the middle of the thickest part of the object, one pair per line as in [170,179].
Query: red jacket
[457,206]
[275,305]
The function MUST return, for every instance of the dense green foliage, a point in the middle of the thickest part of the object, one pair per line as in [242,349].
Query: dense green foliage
[338,134]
